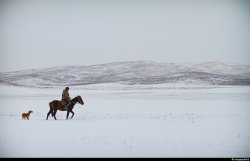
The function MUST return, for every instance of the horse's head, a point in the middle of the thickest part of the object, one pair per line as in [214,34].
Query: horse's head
[30,111]
[79,100]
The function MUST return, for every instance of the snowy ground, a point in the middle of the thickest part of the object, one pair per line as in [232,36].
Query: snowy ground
[157,121]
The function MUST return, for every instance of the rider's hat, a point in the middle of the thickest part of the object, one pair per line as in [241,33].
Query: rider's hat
[67,88]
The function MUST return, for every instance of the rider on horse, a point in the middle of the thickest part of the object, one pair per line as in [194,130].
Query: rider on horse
[66,98]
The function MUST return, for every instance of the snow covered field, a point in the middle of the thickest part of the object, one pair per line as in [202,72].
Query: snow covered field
[124,121]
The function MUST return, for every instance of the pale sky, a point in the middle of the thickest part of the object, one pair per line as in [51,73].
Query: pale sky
[38,34]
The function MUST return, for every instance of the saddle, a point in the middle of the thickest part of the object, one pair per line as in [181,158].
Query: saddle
[63,103]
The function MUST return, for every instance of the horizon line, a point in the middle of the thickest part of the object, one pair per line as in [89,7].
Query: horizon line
[113,62]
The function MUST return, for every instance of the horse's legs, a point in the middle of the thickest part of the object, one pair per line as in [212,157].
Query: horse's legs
[67,115]
[72,114]
[55,114]
[50,111]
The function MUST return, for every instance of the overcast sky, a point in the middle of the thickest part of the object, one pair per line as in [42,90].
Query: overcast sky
[38,34]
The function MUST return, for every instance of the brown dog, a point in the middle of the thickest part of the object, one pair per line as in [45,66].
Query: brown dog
[26,115]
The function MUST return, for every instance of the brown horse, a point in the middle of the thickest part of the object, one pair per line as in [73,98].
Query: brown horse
[56,105]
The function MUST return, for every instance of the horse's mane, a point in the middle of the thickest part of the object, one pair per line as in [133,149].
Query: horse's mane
[74,99]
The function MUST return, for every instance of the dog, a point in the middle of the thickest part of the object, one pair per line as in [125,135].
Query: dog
[26,115]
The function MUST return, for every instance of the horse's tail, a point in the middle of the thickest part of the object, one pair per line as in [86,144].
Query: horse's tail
[51,109]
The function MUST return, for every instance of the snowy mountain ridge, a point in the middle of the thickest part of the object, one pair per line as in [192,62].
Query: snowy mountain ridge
[131,73]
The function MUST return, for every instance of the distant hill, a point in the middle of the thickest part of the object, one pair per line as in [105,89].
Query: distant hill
[131,72]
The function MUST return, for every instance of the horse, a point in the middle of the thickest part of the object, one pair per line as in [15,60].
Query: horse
[56,105]
[26,115]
